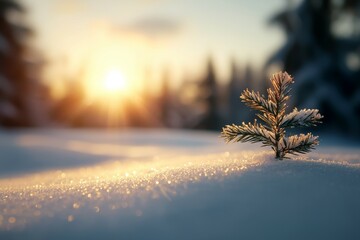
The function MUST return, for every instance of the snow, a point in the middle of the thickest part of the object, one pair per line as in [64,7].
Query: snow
[157,184]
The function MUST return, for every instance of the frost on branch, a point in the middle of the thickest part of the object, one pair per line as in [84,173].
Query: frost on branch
[272,113]
[248,133]
[302,118]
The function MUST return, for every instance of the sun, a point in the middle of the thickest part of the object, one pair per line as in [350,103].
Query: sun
[114,82]
[110,84]
[114,91]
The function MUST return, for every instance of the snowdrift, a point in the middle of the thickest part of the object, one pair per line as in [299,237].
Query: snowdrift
[156,184]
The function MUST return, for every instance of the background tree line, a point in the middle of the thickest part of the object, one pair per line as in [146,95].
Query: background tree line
[321,50]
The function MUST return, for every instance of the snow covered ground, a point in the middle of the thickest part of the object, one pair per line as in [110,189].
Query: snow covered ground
[157,184]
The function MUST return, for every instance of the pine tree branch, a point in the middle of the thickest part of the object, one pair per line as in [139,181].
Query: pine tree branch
[269,119]
[298,144]
[280,102]
[302,118]
[281,82]
[248,133]
[257,102]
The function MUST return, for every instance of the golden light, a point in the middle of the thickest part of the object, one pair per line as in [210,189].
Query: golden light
[115,82]
[114,76]
[105,84]
[114,91]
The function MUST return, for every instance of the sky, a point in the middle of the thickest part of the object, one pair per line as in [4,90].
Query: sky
[142,39]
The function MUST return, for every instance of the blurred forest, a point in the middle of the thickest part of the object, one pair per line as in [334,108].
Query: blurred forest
[21,91]
[321,50]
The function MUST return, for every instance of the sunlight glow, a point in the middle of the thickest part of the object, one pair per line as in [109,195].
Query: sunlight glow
[108,84]
[114,89]
[115,81]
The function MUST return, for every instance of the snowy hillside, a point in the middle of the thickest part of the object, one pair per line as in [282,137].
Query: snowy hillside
[157,184]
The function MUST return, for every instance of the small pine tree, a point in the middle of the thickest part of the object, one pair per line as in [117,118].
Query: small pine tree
[272,113]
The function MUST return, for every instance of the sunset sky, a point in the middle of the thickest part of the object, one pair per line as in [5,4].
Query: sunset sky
[140,39]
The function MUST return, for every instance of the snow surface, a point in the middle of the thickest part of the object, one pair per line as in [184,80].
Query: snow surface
[157,184]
